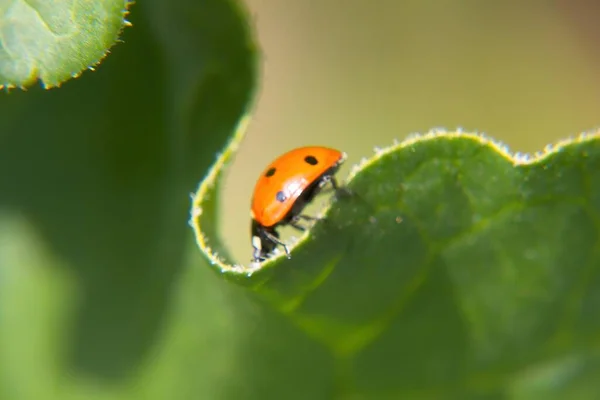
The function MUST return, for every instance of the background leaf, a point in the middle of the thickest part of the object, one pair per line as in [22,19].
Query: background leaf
[54,41]
[94,192]
[452,271]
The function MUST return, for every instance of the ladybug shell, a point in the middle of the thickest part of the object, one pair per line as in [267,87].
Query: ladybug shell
[284,180]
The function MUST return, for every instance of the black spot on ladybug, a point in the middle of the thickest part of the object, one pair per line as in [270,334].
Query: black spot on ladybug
[280,196]
[311,160]
[270,172]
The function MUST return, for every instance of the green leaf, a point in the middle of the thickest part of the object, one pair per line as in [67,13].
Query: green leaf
[55,41]
[100,297]
[456,270]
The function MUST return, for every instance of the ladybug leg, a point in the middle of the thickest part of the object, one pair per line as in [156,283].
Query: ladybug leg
[256,254]
[325,180]
[339,190]
[308,217]
[294,222]
[264,241]
[274,239]
[259,248]
[333,183]
[331,180]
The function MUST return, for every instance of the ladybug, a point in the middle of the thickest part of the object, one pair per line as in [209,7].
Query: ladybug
[284,188]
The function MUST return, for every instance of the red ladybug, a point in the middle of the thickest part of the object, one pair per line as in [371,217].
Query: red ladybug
[285,187]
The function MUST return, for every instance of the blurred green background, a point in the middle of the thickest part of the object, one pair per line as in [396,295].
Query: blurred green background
[102,292]
[353,75]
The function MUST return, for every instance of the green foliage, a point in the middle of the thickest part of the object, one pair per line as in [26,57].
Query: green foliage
[55,40]
[98,296]
[454,271]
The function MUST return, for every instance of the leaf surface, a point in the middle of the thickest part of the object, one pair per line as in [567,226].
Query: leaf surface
[455,270]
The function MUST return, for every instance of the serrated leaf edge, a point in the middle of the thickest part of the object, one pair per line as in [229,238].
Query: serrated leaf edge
[226,156]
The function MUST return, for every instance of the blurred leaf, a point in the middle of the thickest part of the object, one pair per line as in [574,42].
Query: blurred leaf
[56,40]
[96,285]
[455,271]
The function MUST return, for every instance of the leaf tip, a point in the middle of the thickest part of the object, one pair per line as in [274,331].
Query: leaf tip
[52,71]
[202,210]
